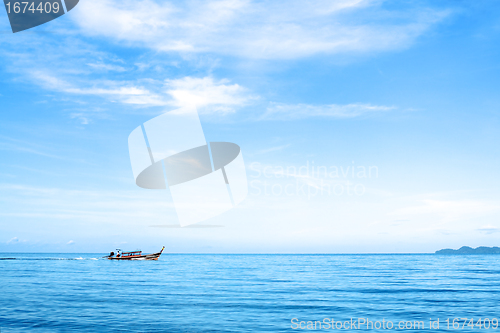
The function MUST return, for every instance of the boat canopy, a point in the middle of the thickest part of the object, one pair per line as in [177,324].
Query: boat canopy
[135,253]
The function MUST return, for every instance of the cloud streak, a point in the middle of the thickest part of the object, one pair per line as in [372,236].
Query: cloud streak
[280,111]
[450,210]
[13,240]
[488,229]
[206,93]
[83,205]
[258,30]
[127,92]
[212,96]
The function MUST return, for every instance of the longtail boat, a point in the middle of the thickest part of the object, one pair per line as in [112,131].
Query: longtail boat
[135,255]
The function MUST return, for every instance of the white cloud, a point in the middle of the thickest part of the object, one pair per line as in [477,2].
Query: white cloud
[207,94]
[251,29]
[84,120]
[122,91]
[13,240]
[272,149]
[489,229]
[210,95]
[120,207]
[279,111]
[11,144]
[106,67]
[450,210]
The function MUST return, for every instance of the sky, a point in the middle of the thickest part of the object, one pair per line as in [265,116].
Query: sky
[365,126]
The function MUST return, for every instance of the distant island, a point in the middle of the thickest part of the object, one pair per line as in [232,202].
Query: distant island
[470,250]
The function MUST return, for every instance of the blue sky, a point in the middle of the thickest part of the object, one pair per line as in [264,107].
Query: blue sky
[410,88]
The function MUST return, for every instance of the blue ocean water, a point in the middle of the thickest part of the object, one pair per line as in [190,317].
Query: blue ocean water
[244,293]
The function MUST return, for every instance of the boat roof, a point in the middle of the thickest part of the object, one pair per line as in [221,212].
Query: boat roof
[138,251]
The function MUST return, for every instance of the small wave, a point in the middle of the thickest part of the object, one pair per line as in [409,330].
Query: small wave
[80,258]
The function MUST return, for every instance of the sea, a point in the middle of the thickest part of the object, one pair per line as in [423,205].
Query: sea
[249,293]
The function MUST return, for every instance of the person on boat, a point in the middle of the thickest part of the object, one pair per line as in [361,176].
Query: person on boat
[111,254]
[118,255]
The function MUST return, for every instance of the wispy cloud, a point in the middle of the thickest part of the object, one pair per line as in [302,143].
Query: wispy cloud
[208,94]
[272,149]
[251,29]
[214,28]
[107,67]
[488,229]
[450,210]
[11,144]
[84,120]
[82,205]
[48,149]
[122,91]
[279,111]
[13,240]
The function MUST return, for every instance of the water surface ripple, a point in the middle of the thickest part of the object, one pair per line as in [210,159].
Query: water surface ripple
[240,293]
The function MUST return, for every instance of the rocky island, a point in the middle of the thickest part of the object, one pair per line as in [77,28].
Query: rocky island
[470,250]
